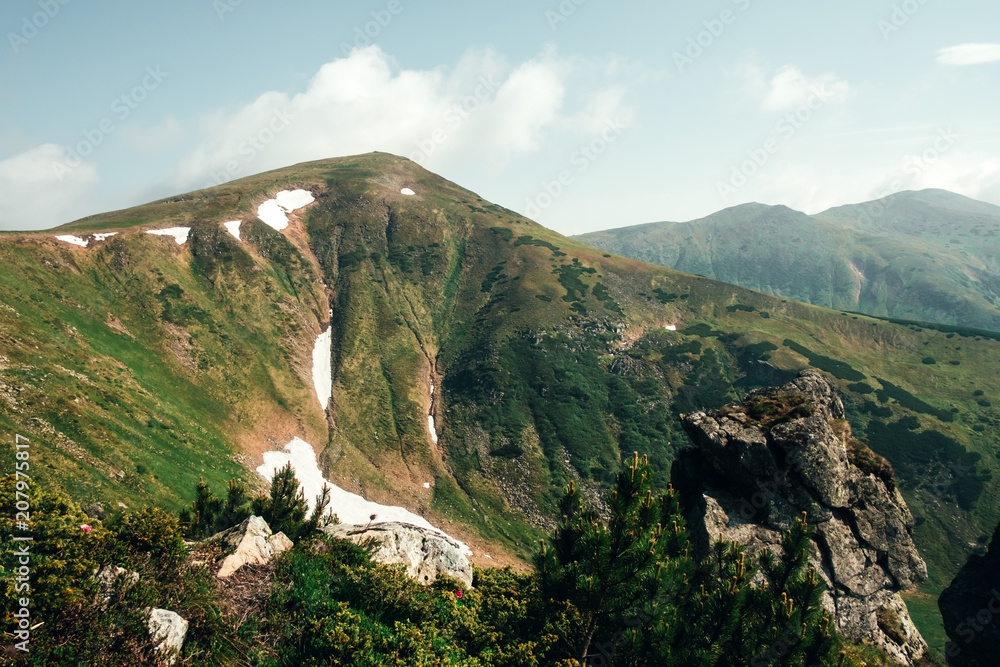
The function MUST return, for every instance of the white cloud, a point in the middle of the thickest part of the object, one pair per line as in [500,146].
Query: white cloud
[153,138]
[482,112]
[34,196]
[971,175]
[789,88]
[969,54]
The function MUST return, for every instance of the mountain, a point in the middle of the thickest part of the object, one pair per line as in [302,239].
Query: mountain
[926,256]
[440,353]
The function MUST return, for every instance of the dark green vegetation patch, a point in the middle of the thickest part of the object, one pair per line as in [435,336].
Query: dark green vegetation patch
[834,367]
[529,240]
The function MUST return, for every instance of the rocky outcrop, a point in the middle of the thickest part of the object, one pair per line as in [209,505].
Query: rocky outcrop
[253,543]
[970,607]
[167,630]
[108,576]
[425,553]
[756,467]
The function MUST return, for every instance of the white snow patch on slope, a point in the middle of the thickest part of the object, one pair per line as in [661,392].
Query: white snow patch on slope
[274,212]
[105,236]
[322,370]
[233,227]
[75,240]
[349,507]
[431,427]
[671,327]
[180,234]
[408,192]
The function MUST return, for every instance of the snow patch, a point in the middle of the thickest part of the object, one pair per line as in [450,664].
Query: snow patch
[322,370]
[105,236]
[233,227]
[671,328]
[274,212]
[431,428]
[349,507]
[75,240]
[408,192]
[427,485]
[180,234]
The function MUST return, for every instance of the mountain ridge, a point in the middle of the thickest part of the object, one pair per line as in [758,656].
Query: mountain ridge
[920,255]
[139,364]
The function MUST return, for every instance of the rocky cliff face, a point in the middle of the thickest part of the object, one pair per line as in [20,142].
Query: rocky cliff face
[971,610]
[786,451]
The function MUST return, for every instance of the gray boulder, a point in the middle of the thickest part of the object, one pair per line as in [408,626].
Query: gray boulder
[167,629]
[108,576]
[756,467]
[425,553]
[254,544]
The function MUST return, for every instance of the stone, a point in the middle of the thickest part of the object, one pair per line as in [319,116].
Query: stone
[96,511]
[167,630]
[756,467]
[254,544]
[970,607]
[107,576]
[426,553]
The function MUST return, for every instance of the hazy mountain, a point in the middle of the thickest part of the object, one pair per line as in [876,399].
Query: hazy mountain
[137,364]
[929,255]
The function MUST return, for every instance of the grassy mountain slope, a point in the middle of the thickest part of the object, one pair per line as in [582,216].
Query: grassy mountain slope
[928,256]
[137,366]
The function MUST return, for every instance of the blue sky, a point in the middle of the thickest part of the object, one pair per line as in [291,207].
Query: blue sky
[583,114]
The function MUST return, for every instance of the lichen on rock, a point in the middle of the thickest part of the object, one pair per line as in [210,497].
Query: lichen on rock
[757,466]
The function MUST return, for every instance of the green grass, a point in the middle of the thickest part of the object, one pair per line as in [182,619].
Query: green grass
[544,350]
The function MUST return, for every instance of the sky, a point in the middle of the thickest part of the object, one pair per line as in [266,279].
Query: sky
[581,114]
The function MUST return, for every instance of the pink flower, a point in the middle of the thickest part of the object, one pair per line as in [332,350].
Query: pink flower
[86,528]
[458,594]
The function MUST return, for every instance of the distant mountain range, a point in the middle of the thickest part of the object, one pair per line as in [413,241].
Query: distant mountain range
[929,256]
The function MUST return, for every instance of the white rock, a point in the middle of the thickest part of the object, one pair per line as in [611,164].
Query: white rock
[426,553]
[167,630]
[254,543]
